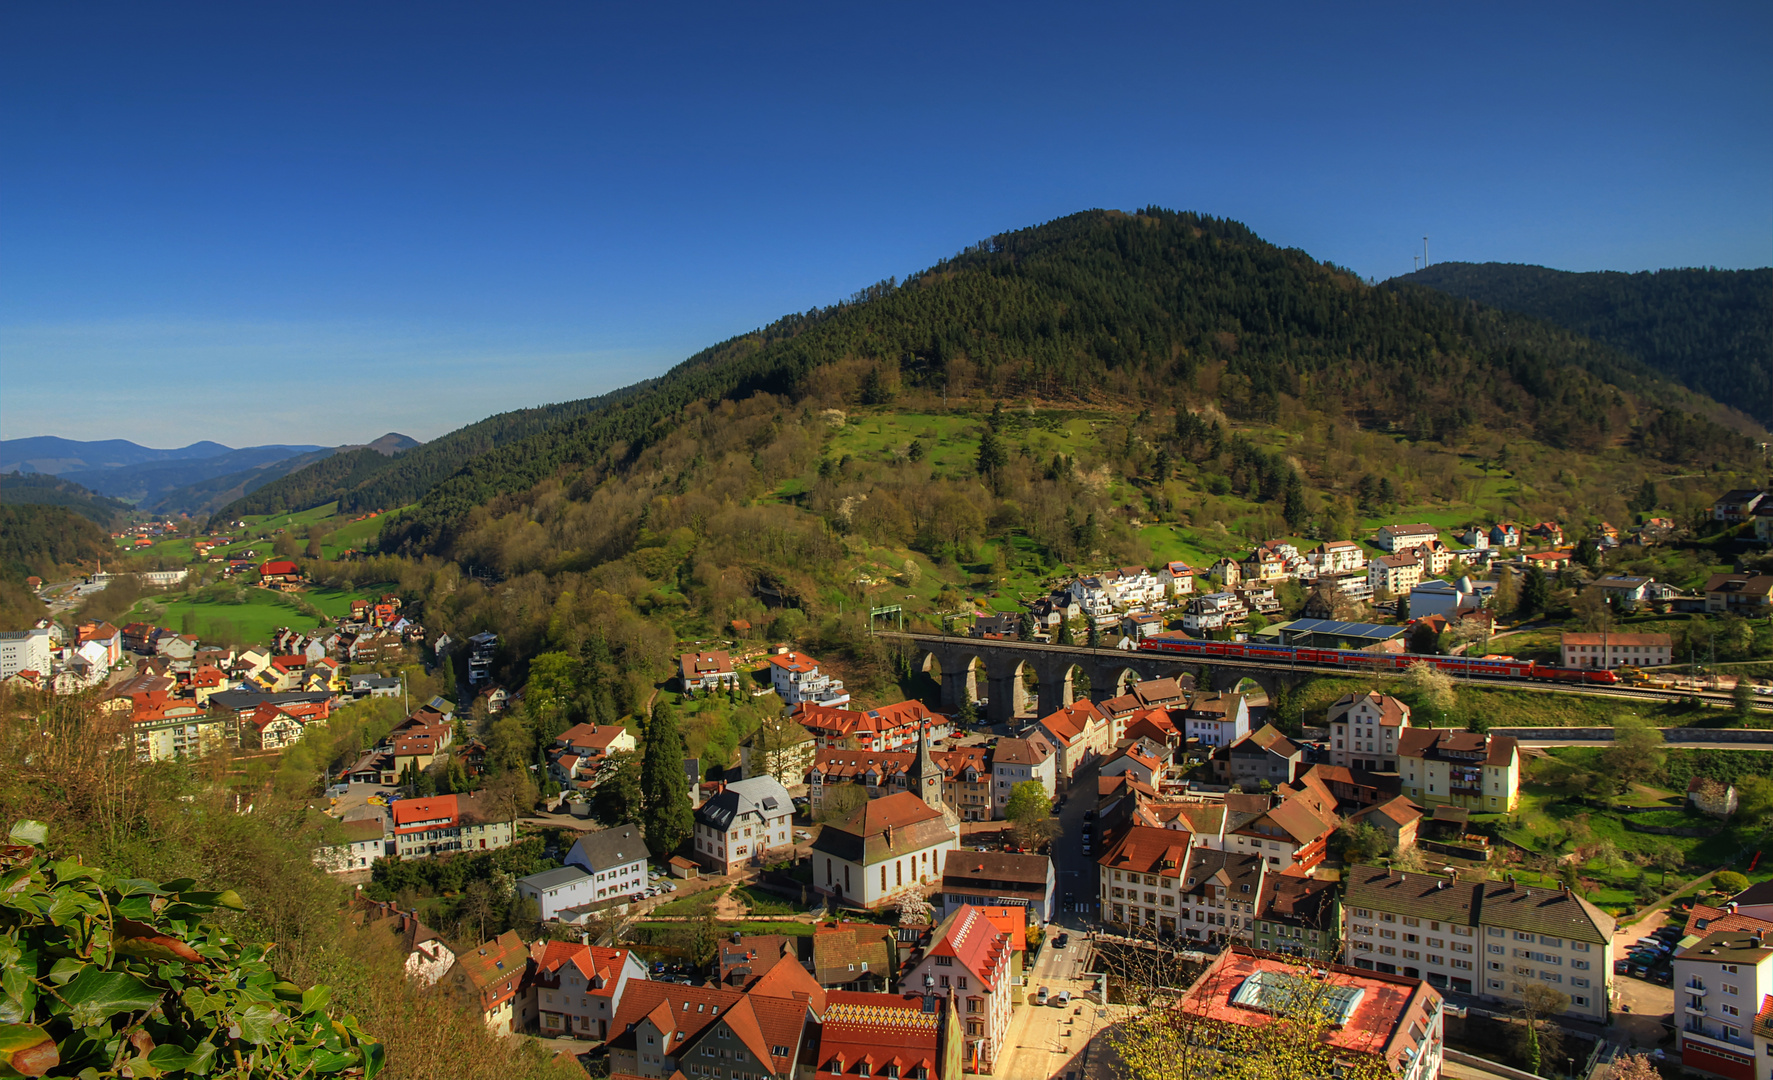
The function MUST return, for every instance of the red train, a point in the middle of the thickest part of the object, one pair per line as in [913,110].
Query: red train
[1493,667]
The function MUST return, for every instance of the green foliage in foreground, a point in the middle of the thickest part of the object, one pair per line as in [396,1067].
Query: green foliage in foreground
[103,976]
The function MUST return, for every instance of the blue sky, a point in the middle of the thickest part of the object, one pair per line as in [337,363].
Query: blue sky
[320,222]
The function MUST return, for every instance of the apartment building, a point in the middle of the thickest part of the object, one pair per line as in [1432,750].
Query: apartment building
[1141,878]
[1364,731]
[1442,767]
[1017,761]
[1484,938]
[1720,982]
[1616,650]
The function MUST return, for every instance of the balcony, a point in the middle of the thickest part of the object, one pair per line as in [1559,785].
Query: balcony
[1693,987]
[1694,1010]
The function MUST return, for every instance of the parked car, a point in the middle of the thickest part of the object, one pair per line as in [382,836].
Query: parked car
[1041,998]
[1064,998]
[1621,967]
[1061,941]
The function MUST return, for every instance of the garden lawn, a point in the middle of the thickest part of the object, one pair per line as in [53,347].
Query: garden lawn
[764,902]
[693,904]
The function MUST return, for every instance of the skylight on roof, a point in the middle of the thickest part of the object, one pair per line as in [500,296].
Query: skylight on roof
[1278,991]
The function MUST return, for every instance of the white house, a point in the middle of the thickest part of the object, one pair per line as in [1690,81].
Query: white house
[578,987]
[1437,597]
[1719,985]
[1396,538]
[361,844]
[1337,557]
[1216,719]
[1213,611]
[1364,731]
[706,671]
[606,865]
[1176,579]
[796,679]
[970,960]
[24,650]
[743,823]
[1016,761]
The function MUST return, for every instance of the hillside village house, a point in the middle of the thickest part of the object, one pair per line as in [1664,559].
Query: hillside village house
[880,774]
[1213,611]
[1337,557]
[969,961]
[1476,537]
[998,879]
[1505,534]
[580,750]
[1176,579]
[966,781]
[1017,761]
[1299,916]
[1364,730]
[578,987]
[1397,538]
[1625,590]
[24,650]
[1141,878]
[445,823]
[890,727]
[1076,732]
[1140,761]
[1748,595]
[705,672]
[1264,756]
[428,958]
[1484,938]
[1723,984]
[742,824]
[492,976]
[604,866]
[1216,719]
[360,844]
[107,637]
[1616,650]
[1292,835]
[1443,767]
[890,844]
[273,727]
[668,1030]
[797,680]
[780,748]
[1737,506]
[1394,574]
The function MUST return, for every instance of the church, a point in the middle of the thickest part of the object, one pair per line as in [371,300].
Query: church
[891,845]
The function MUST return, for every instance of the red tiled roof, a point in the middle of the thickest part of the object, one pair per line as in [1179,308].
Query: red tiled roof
[1145,850]
[881,1030]
[974,941]
[409,811]
[279,567]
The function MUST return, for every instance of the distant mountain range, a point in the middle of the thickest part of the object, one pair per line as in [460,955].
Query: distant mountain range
[1711,330]
[195,479]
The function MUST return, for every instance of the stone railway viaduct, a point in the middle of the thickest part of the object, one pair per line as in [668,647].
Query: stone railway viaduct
[993,669]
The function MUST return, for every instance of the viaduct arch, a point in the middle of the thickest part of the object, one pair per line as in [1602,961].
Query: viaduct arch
[974,668]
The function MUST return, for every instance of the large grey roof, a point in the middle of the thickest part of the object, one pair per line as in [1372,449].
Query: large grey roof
[761,795]
[555,878]
[1518,907]
[604,848]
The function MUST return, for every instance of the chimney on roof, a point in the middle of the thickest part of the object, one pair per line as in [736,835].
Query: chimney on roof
[1730,907]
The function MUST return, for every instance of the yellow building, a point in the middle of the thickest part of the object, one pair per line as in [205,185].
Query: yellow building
[1442,767]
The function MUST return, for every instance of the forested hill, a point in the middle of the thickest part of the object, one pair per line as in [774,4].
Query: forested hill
[45,489]
[1709,329]
[365,479]
[1153,310]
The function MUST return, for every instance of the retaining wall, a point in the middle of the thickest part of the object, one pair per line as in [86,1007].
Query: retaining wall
[1671,735]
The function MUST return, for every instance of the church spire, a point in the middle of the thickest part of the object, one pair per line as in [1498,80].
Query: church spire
[925,777]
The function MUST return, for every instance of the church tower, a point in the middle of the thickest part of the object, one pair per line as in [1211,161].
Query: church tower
[924,779]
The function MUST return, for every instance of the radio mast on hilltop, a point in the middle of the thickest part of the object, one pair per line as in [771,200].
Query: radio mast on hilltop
[1425,253]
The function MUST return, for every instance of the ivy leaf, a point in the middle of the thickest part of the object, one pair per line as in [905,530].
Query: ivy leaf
[315,999]
[27,1049]
[327,1061]
[257,1023]
[227,899]
[64,969]
[373,1060]
[170,1057]
[26,831]
[95,995]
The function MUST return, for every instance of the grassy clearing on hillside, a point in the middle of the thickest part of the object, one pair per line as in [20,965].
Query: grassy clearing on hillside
[214,615]
[1525,707]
